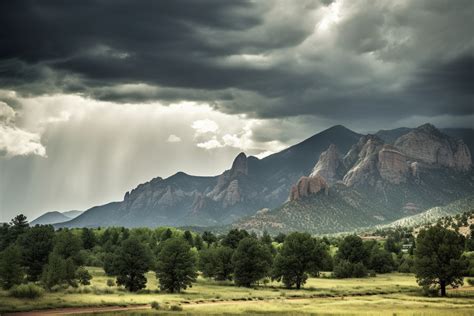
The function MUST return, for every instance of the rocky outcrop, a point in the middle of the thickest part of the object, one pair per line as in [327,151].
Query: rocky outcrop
[428,145]
[227,189]
[307,186]
[392,165]
[239,166]
[329,165]
[364,170]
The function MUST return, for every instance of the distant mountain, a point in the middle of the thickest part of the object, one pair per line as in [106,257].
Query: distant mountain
[373,183]
[55,217]
[72,214]
[249,185]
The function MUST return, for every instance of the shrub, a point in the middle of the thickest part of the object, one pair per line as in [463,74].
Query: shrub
[110,282]
[83,276]
[359,270]
[470,282]
[346,269]
[176,308]
[155,305]
[29,290]
[343,269]
[372,273]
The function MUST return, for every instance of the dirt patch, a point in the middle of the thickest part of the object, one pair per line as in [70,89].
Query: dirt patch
[80,310]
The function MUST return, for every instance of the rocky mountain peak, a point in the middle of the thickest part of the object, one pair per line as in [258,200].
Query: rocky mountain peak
[329,165]
[428,145]
[239,166]
[362,161]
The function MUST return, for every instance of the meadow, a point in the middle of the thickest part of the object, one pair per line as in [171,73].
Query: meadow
[393,294]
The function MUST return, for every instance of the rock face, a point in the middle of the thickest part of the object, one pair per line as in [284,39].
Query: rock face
[307,186]
[392,165]
[429,146]
[329,165]
[364,170]
[227,190]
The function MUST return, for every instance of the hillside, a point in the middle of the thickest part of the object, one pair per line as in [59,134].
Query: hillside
[433,214]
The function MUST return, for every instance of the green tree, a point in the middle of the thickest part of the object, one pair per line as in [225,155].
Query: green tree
[110,263]
[233,238]
[18,225]
[133,260]
[207,262]
[176,265]
[88,238]
[209,238]
[36,245]
[300,254]
[216,262]
[252,261]
[68,245]
[198,243]
[83,276]
[59,271]
[392,245]
[11,271]
[189,238]
[280,238]
[438,258]
[381,261]
[167,234]
[352,249]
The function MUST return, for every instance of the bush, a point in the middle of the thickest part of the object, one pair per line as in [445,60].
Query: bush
[29,290]
[372,274]
[155,305]
[345,269]
[83,276]
[176,308]
[470,282]
[359,270]
[110,282]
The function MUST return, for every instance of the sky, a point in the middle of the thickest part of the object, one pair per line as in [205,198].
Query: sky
[99,96]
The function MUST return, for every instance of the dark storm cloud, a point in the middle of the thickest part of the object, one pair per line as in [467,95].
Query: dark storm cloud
[267,59]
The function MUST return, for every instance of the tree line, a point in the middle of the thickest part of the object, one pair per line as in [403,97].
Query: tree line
[57,258]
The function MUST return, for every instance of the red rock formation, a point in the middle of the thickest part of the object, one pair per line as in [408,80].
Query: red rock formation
[307,186]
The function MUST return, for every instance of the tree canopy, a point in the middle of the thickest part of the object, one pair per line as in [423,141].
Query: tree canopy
[438,258]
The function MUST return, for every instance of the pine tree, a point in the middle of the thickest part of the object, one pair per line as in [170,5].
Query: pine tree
[36,245]
[132,262]
[252,261]
[11,271]
[176,265]
[438,258]
[300,254]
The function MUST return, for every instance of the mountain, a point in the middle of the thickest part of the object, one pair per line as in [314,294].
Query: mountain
[55,217]
[250,184]
[465,134]
[373,183]
[72,214]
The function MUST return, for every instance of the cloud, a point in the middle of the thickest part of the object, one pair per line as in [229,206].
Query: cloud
[205,126]
[15,141]
[210,144]
[334,60]
[173,139]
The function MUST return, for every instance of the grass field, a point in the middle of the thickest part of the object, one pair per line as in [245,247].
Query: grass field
[385,294]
